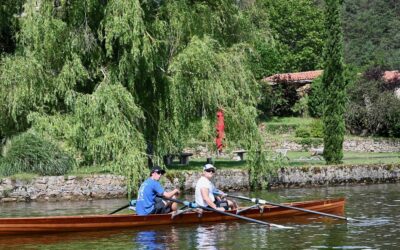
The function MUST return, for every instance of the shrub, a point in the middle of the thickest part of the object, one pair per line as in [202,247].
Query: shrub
[301,107]
[29,153]
[303,132]
[280,128]
[373,107]
[316,99]
[277,100]
[317,129]
[308,143]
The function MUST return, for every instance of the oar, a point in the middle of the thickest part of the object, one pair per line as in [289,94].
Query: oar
[194,205]
[131,203]
[260,201]
[119,209]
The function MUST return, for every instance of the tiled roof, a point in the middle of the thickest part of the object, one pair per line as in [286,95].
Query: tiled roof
[391,75]
[294,77]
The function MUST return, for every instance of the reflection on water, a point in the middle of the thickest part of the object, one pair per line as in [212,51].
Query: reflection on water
[148,240]
[206,237]
[377,206]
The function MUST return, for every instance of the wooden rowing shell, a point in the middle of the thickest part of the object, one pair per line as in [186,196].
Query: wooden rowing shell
[54,224]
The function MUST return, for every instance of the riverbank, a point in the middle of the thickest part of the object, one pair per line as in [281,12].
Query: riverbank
[52,188]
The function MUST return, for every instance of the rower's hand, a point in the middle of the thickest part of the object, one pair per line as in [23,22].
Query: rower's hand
[220,209]
[176,191]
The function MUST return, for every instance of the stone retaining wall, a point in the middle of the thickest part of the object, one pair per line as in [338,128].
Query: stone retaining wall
[365,145]
[63,188]
[336,175]
[109,186]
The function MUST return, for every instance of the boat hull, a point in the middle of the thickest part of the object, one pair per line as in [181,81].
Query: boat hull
[54,224]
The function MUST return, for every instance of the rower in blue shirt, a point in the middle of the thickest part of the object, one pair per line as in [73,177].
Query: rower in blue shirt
[147,200]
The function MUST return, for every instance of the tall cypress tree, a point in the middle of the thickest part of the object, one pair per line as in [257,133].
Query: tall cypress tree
[334,85]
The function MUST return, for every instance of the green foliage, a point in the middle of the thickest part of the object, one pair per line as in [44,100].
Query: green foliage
[299,36]
[301,107]
[32,154]
[105,78]
[103,129]
[201,130]
[305,143]
[9,10]
[261,166]
[285,125]
[30,92]
[316,98]
[303,132]
[317,129]
[372,32]
[334,86]
[216,77]
[280,128]
[309,142]
[373,108]
[277,100]
[264,57]
[44,36]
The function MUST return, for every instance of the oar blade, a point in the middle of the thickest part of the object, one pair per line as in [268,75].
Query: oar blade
[281,226]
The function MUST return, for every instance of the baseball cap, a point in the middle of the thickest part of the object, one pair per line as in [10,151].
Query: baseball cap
[209,166]
[157,169]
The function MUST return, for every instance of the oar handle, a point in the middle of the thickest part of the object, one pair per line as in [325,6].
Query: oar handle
[186,203]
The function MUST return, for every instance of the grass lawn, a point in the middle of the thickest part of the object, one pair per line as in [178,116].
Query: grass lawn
[304,158]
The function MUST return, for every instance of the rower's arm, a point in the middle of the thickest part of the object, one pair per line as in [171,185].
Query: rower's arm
[206,198]
[170,194]
[218,192]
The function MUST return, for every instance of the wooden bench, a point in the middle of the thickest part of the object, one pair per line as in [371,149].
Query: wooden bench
[240,153]
[183,158]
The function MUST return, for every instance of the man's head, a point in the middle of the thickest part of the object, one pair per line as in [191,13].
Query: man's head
[156,172]
[209,170]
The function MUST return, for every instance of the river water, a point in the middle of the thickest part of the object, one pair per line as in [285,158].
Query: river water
[378,206]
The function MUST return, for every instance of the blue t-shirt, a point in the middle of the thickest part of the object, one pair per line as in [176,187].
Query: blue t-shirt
[147,193]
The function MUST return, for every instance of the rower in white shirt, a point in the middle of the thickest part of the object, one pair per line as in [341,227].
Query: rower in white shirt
[205,193]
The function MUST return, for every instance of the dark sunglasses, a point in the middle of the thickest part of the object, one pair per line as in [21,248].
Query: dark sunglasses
[210,170]
[158,172]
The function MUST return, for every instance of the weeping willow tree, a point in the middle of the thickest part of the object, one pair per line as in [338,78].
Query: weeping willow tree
[105,78]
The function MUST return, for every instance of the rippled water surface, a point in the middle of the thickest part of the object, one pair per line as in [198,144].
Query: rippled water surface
[378,206]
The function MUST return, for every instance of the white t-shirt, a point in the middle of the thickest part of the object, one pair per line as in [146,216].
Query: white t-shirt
[203,182]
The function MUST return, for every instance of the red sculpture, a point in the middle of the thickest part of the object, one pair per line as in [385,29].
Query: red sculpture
[220,127]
